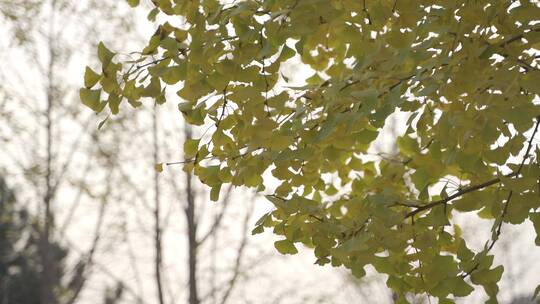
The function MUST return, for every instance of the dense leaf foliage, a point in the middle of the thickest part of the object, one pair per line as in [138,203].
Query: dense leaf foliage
[467,72]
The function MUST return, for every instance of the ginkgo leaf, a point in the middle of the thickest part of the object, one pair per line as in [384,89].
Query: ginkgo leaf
[191,146]
[133,3]
[285,247]
[257,230]
[174,74]
[114,103]
[485,276]
[90,78]
[91,98]
[214,192]
[535,219]
[105,55]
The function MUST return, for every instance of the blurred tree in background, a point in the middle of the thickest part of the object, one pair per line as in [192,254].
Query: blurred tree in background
[45,144]
[20,264]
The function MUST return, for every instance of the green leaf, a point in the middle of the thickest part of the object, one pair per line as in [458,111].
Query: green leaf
[114,103]
[464,253]
[153,14]
[518,209]
[285,247]
[153,89]
[397,284]
[172,75]
[535,219]
[90,78]
[366,136]
[217,81]
[105,55]
[485,276]
[461,288]
[280,142]
[214,192]
[133,3]
[257,230]
[91,98]
[191,147]
[456,286]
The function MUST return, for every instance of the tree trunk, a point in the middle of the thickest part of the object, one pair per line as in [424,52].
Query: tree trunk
[48,262]
[157,216]
[192,235]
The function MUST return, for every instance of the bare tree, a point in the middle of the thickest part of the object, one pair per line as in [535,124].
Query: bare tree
[45,134]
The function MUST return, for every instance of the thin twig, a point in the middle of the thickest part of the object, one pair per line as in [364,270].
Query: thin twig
[217,221]
[498,227]
[239,255]
[456,195]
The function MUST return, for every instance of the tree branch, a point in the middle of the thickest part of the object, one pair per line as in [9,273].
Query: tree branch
[110,274]
[483,185]
[83,267]
[217,222]
[456,195]
[239,255]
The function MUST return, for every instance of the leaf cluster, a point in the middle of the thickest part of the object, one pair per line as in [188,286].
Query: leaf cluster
[466,71]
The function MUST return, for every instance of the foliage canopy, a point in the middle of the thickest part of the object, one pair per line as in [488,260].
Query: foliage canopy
[466,71]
